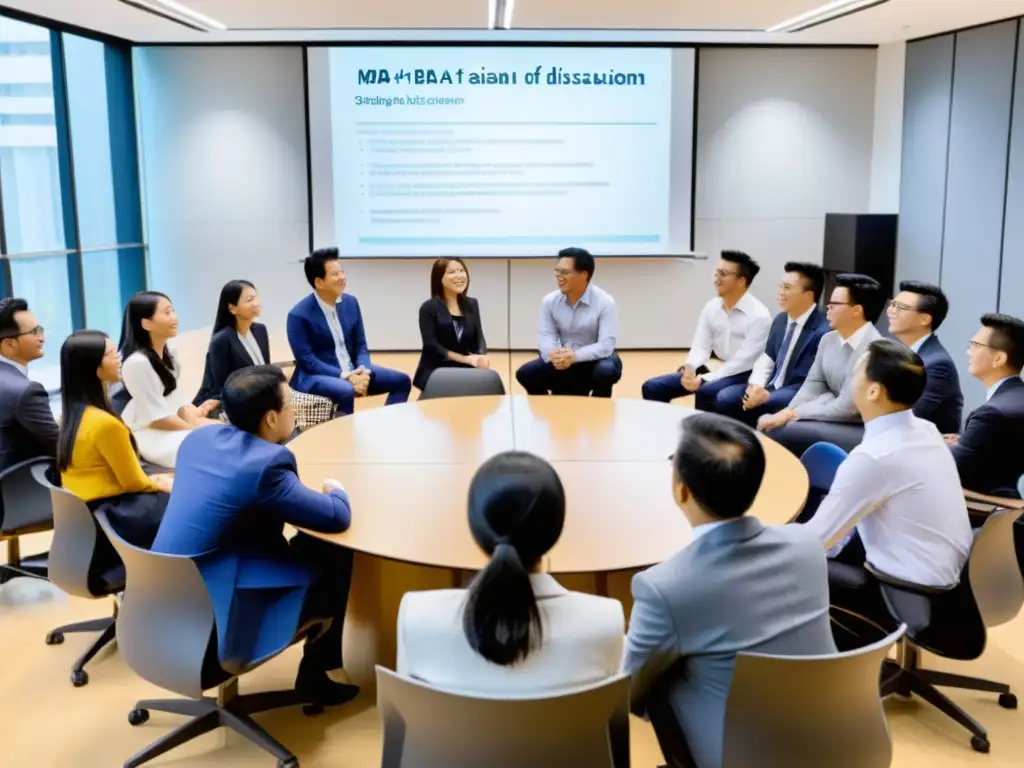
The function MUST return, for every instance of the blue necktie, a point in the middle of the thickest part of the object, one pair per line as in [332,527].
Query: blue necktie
[781,357]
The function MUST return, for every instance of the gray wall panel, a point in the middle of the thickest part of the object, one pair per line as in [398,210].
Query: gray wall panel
[975,184]
[1011,299]
[928,90]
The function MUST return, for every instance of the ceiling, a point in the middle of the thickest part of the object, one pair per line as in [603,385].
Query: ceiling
[709,21]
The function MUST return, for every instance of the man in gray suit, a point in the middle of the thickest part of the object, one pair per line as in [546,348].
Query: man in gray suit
[823,409]
[739,586]
[27,426]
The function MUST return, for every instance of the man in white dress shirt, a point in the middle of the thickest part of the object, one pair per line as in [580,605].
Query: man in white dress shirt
[899,491]
[734,327]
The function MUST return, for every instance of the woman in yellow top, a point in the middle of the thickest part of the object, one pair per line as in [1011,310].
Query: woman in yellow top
[96,453]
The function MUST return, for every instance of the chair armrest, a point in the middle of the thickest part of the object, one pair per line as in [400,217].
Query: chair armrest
[992,501]
[908,586]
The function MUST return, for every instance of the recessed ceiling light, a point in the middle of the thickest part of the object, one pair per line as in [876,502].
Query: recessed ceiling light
[828,12]
[178,13]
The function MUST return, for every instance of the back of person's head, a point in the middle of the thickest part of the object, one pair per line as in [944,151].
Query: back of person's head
[516,513]
[582,261]
[864,291]
[135,338]
[1007,335]
[315,265]
[931,300]
[81,356]
[230,295]
[897,370]
[813,276]
[721,463]
[746,267]
[254,395]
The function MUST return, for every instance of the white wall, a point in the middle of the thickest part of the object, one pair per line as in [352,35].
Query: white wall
[887,157]
[784,135]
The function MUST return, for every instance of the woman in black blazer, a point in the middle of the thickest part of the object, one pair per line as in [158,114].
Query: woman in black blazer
[238,341]
[450,326]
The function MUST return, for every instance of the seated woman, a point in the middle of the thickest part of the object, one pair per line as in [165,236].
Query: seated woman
[450,326]
[237,341]
[96,453]
[516,631]
[159,414]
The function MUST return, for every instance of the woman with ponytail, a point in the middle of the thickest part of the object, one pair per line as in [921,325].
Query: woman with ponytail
[516,630]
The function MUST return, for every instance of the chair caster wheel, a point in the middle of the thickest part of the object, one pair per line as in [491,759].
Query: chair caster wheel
[979,744]
[291,762]
[138,716]
[54,638]
[1007,701]
[79,678]
[311,710]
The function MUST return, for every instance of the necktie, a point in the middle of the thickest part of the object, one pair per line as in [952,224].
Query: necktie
[781,357]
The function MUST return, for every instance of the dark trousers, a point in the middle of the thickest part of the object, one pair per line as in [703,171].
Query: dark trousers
[326,598]
[859,614]
[595,377]
[666,388]
[669,733]
[729,402]
[395,384]
[799,435]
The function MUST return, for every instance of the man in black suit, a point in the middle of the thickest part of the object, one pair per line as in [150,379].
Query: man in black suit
[914,318]
[990,453]
[27,426]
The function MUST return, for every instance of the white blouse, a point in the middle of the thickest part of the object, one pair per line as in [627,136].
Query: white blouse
[148,403]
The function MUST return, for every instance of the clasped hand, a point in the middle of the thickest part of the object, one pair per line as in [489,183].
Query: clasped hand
[562,358]
[479,361]
[690,381]
[360,380]
[755,397]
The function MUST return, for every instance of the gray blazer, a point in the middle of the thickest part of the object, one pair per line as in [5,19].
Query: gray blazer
[27,426]
[825,394]
[740,587]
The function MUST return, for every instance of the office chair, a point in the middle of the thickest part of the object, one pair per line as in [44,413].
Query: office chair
[1020,486]
[76,543]
[425,727]
[952,622]
[462,382]
[166,632]
[821,461]
[24,509]
[119,397]
[822,710]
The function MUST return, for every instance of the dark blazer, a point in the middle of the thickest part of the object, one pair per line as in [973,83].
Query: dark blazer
[437,329]
[988,454]
[226,355]
[313,345]
[27,426]
[942,402]
[804,352]
[233,494]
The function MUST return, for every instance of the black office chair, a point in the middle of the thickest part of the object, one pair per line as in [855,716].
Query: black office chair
[119,397]
[952,623]
[24,509]
[462,382]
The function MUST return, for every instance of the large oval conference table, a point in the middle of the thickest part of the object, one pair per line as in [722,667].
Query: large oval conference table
[407,471]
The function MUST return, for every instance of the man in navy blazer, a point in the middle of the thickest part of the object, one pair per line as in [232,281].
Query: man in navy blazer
[789,352]
[325,331]
[914,317]
[989,453]
[235,488]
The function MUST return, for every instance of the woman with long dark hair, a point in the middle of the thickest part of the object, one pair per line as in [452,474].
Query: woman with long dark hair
[516,630]
[237,341]
[450,326]
[96,454]
[159,414]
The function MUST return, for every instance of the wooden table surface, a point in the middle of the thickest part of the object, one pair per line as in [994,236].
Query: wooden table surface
[407,470]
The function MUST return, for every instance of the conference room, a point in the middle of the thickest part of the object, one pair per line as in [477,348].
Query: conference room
[427,217]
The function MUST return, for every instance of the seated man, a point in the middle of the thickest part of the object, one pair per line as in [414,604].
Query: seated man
[739,586]
[578,326]
[734,327]
[325,331]
[898,488]
[27,426]
[914,317]
[823,409]
[989,454]
[792,346]
[235,488]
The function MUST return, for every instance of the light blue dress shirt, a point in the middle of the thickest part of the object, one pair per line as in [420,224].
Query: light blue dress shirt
[589,327]
[334,323]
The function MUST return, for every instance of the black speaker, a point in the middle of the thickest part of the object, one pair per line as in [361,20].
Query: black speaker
[863,243]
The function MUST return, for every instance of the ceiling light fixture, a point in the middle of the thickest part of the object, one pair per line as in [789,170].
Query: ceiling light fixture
[828,12]
[499,14]
[178,13]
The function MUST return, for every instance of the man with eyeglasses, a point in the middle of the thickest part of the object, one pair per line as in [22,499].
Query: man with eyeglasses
[733,326]
[989,454]
[27,426]
[914,317]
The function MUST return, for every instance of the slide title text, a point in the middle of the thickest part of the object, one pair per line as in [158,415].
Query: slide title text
[553,76]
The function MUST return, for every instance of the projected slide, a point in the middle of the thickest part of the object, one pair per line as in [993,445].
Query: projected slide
[485,151]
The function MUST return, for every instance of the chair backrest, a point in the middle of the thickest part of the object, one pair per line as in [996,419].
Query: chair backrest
[462,382]
[822,461]
[425,727]
[994,571]
[24,501]
[119,397]
[787,711]
[166,617]
[1020,486]
[75,538]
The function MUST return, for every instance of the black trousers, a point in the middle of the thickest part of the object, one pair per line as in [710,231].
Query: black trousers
[801,434]
[596,377]
[859,614]
[327,597]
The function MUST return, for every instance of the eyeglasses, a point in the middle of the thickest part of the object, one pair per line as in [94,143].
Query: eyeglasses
[834,304]
[721,274]
[564,272]
[978,345]
[900,307]
[37,331]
